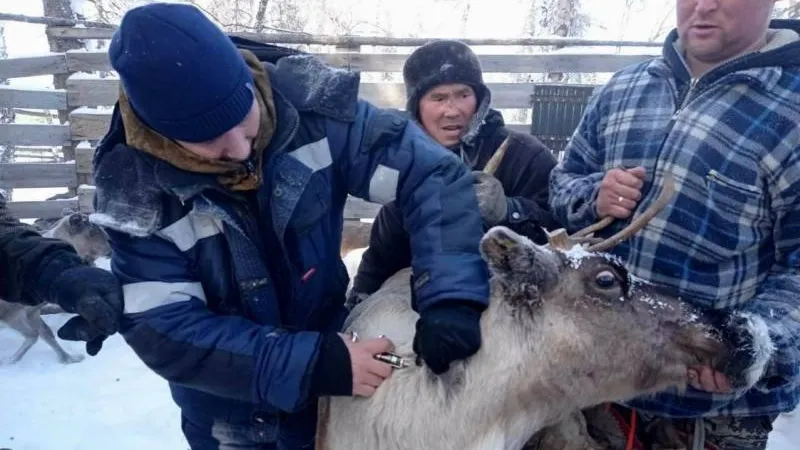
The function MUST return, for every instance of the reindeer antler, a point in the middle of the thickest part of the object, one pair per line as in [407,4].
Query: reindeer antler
[638,223]
[561,240]
[494,162]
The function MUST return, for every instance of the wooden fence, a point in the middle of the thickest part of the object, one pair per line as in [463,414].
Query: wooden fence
[85,90]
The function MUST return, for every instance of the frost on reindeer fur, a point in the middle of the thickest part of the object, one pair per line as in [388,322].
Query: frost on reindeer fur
[762,349]
[131,226]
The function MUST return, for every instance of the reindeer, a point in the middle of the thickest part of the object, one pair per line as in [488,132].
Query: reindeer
[88,239]
[90,242]
[567,328]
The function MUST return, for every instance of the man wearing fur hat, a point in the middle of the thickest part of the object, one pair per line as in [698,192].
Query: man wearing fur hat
[446,94]
[221,183]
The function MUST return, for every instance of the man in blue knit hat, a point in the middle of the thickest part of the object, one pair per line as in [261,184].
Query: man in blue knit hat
[221,183]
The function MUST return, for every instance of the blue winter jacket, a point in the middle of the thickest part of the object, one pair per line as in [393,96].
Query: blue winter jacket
[201,279]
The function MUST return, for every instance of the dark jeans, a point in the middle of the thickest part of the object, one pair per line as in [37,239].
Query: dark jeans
[261,433]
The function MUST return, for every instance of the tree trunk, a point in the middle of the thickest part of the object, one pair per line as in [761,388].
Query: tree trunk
[260,13]
[6,116]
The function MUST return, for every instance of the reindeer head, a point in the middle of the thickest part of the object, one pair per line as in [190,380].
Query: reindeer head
[88,239]
[612,336]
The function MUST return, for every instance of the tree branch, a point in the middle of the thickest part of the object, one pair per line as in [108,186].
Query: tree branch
[53,21]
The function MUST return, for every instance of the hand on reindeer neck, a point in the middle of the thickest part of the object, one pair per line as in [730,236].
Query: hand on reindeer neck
[447,332]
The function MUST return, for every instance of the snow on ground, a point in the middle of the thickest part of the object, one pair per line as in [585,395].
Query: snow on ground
[109,401]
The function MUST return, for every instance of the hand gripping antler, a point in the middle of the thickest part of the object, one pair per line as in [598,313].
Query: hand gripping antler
[561,240]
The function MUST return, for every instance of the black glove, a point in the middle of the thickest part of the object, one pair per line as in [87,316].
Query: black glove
[96,296]
[447,332]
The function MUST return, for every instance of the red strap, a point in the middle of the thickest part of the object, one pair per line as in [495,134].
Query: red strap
[629,430]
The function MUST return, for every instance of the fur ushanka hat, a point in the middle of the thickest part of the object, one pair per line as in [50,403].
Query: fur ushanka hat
[441,62]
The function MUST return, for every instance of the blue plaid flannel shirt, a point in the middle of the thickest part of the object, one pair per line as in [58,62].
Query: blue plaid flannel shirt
[731,237]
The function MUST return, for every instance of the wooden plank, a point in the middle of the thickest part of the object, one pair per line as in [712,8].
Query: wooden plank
[104,92]
[83,91]
[519,127]
[33,98]
[387,62]
[38,175]
[352,41]
[29,134]
[83,160]
[50,209]
[355,208]
[88,125]
[355,234]
[86,198]
[83,61]
[33,65]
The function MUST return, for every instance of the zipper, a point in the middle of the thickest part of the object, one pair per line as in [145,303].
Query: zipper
[249,166]
[681,104]
[692,85]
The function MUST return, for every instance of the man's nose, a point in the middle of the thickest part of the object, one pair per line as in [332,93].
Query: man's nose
[450,109]
[237,147]
[706,6]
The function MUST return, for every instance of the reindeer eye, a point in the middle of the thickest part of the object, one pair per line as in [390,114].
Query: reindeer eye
[605,279]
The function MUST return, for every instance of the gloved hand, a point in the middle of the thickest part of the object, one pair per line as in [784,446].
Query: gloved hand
[447,333]
[492,199]
[96,296]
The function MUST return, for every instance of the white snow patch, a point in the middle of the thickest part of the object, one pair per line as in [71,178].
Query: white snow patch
[576,255]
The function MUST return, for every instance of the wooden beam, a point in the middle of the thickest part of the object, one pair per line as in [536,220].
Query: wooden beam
[86,198]
[355,208]
[50,209]
[355,234]
[27,134]
[82,61]
[85,125]
[38,175]
[33,98]
[83,163]
[519,127]
[354,41]
[51,20]
[33,65]
[390,62]
[83,91]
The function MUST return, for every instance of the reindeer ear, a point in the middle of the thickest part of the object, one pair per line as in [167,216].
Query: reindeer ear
[507,252]
[502,248]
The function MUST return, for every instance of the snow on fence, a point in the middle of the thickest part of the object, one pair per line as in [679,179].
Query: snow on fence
[86,91]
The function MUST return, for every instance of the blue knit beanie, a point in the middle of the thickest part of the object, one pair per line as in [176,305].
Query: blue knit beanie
[183,76]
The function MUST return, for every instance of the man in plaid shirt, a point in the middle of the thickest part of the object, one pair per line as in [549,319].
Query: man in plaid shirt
[720,111]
